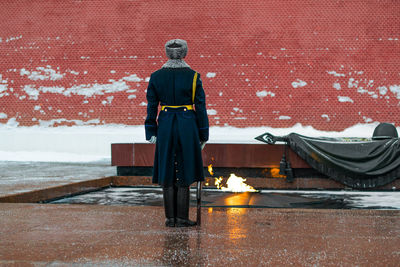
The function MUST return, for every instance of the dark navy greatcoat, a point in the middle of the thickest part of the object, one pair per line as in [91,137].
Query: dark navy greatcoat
[179,131]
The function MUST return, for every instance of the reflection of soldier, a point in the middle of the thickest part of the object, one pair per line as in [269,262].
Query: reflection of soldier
[181,131]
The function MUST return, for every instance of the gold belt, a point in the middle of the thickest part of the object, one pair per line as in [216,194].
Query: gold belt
[189,107]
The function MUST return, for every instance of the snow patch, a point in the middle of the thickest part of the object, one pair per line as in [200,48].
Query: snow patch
[13,38]
[42,73]
[395,89]
[345,99]
[264,93]
[40,156]
[132,78]
[352,83]
[211,74]
[298,83]
[108,101]
[382,90]
[211,112]
[31,91]
[87,90]
[3,87]
[51,123]
[3,115]
[246,135]
[326,117]
[51,89]
[367,120]
[12,123]
[3,90]
[96,89]
[63,143]
[284,118]
[334,73]
[337,86]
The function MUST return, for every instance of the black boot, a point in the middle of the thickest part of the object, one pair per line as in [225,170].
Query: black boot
[169,206]
[182,208]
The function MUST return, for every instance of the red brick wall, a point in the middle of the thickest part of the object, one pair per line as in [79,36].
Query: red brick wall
[328,64]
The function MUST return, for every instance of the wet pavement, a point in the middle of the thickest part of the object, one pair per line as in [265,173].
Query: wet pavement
[152,196]
[104,235]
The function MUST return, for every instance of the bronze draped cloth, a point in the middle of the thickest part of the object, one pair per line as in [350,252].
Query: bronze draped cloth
[358,164]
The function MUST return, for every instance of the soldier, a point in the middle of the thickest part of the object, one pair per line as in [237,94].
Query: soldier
[179,132]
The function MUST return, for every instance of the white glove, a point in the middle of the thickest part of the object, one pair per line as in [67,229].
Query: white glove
[202,144]
[153,140]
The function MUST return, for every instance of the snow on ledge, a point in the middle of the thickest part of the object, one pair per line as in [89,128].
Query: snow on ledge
[91,143]
[51,156]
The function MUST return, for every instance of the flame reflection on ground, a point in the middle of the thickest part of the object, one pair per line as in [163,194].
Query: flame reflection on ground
[237,229]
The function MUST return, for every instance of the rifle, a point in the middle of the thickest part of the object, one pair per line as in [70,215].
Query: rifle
[198,195]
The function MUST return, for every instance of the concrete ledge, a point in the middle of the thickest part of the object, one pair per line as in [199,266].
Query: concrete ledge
[57,191]
[132,181]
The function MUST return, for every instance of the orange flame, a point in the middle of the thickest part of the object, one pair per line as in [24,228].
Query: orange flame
[218,182]
[234,183]
[237,184]
[275,173]
[210,169]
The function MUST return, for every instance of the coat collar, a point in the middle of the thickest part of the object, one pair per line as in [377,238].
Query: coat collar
[176,63]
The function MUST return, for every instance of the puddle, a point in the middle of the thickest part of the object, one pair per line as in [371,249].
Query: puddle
[152,196]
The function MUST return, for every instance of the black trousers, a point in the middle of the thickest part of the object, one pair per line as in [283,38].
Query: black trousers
[176,196]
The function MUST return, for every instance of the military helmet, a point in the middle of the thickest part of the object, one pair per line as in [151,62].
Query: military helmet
[384,131]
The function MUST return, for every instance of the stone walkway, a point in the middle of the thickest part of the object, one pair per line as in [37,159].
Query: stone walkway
[97,235]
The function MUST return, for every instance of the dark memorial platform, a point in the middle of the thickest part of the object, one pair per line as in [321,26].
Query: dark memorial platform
[220,155]
[247,160]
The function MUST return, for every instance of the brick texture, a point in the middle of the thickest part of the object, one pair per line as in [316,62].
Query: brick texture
[328,64]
